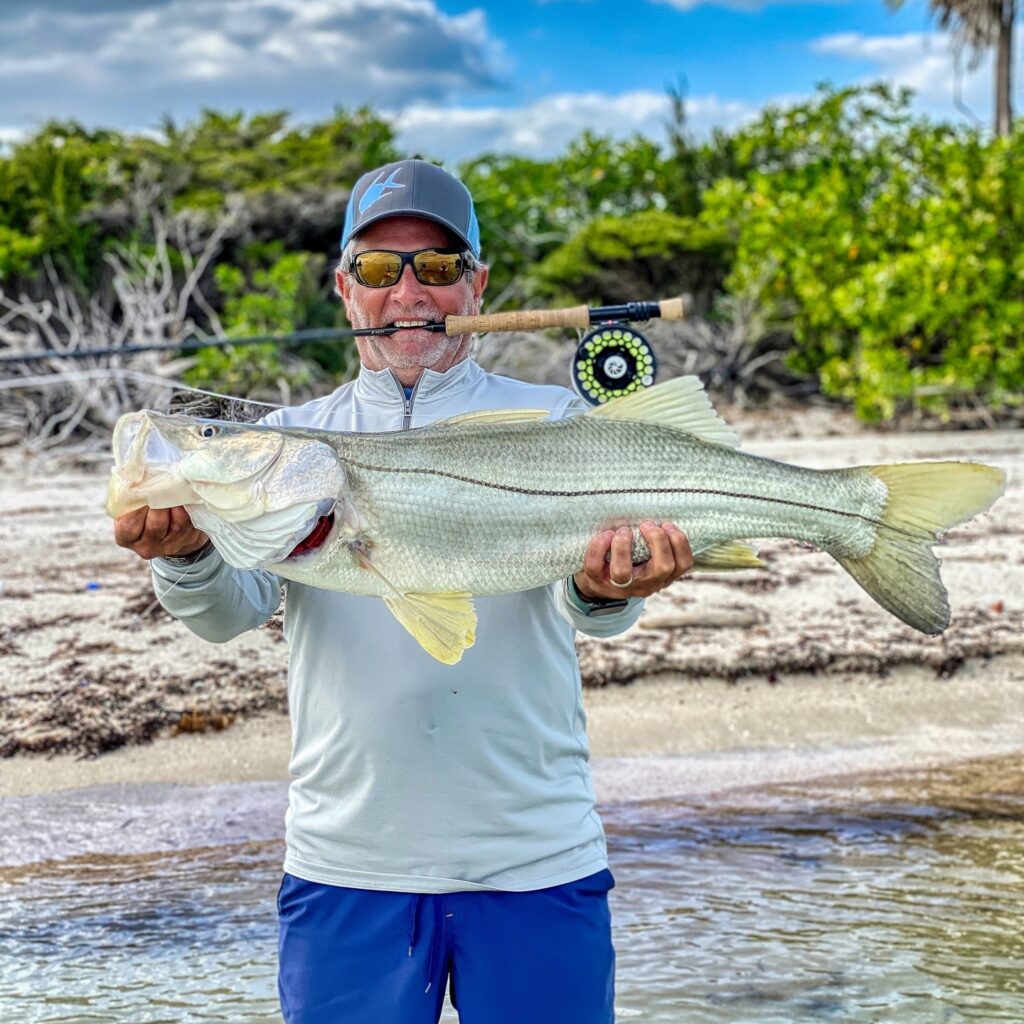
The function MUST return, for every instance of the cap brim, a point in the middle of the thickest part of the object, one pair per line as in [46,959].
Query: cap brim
[434,218]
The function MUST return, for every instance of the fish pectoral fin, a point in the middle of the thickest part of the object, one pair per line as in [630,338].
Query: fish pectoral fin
[680,403]
[494,416]
[444,625]
[728,557]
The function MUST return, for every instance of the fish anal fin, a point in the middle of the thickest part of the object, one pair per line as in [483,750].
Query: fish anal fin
[444,625]
[681,403]
[727,557]
[494,416]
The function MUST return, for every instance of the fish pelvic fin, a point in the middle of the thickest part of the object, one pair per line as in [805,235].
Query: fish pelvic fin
[681,403]
[900,572]
[444,625]
[727,558]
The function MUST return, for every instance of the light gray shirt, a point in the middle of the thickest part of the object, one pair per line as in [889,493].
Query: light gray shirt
[411,775]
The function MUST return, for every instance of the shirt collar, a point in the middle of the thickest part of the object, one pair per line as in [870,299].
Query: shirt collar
[383,387]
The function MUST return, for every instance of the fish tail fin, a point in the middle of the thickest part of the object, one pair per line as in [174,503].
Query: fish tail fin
[900,572]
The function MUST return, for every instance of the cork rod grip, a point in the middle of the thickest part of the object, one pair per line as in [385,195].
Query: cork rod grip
[520,320]
[674,309]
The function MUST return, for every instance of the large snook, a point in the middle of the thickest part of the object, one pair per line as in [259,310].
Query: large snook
[501,501]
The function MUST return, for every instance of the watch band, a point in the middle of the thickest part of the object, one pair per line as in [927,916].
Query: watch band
[592,607]
[191,558]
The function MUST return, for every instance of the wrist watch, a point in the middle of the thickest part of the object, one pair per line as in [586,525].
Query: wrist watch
[593,607]
[191,558]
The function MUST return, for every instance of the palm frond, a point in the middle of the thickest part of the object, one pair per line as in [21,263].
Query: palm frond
[973,24]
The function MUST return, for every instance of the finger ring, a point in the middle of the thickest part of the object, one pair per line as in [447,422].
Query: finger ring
[621,586]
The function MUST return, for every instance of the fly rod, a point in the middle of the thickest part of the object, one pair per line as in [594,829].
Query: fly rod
[517,320]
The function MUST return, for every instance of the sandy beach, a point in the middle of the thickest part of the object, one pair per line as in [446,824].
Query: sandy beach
[766,676]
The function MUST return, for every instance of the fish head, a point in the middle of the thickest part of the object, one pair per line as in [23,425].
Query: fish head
[257,491]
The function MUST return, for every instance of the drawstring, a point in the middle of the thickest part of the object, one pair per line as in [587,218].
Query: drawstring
[414,908]
[433,944]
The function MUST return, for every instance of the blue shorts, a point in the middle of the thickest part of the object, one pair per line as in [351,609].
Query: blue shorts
[360,956]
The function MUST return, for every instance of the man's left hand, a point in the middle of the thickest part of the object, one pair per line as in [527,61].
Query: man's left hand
[609,557]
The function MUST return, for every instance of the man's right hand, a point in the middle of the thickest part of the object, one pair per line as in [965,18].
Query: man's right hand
[155,532]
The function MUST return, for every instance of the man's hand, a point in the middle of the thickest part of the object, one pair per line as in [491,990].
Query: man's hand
[151,532]
[671,558]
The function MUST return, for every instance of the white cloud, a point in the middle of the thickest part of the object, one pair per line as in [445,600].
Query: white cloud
[746,5]
[922,61]
[544,127]
[689,5]
[131,65]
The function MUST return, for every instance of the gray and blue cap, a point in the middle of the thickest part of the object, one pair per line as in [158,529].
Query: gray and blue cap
[413,188]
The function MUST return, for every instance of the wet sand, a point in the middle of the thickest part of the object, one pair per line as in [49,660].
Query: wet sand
[769,676]
[659,737]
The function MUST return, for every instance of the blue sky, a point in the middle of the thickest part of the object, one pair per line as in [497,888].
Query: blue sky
[459,76]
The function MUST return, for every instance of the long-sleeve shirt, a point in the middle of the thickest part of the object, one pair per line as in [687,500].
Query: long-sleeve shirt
[407,774]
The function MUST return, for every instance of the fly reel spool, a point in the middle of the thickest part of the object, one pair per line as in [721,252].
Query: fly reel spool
[612,361]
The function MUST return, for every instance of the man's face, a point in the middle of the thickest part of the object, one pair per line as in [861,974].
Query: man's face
[409,351]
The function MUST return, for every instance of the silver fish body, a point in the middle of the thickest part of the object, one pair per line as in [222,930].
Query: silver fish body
[493,508]
[495,502]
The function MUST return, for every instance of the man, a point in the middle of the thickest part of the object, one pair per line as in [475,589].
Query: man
[441,823]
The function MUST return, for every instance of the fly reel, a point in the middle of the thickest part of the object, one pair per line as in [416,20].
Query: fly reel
[612,361]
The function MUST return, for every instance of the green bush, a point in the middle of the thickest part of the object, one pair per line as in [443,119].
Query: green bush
[271,296]
[64,190]
[528,208]
[46,186]
[891,247]
[650,255]
[18,252]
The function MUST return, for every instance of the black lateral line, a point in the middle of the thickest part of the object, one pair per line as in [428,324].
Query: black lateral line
[630,490]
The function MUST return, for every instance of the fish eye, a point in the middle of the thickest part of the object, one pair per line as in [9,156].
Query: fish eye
[208,430]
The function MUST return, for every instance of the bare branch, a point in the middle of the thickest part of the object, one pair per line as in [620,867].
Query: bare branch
[44,404]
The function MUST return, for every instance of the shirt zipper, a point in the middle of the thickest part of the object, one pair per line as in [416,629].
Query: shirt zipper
[406,402]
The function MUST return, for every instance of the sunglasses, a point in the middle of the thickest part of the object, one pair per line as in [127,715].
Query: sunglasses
[381,268]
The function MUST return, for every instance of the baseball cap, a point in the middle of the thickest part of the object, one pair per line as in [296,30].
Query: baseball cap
[412,188]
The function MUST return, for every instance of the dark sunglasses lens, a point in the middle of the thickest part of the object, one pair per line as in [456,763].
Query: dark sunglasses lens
[378,269]
[437,268]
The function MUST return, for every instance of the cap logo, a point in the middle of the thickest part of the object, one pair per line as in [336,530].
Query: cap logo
[377,190]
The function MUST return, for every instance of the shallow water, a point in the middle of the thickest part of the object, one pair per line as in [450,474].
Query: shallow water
[895,900]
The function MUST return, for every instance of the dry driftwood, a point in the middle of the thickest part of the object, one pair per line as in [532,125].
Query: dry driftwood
[46,403]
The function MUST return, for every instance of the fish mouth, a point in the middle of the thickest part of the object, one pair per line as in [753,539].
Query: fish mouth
[316,538]
[146,468]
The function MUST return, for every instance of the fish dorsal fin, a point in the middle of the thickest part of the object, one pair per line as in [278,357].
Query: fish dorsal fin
[494,416]
[680,403]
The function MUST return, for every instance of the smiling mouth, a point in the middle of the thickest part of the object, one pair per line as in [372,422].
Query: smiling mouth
[417,325]
[316,536]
